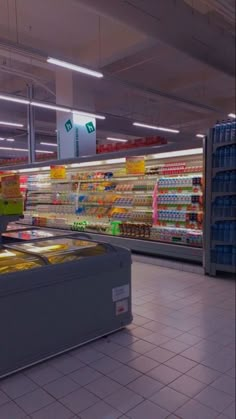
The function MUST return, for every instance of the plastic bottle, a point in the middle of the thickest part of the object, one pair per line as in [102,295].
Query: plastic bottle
[233,262]
[233,131]
[222,132]
[216,133]
[228,131]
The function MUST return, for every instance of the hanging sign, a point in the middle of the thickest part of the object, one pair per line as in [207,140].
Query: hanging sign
[135,165]
[68,125]
[58,172]
[90,127]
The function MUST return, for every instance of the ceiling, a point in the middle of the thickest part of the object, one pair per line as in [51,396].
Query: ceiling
[168,63]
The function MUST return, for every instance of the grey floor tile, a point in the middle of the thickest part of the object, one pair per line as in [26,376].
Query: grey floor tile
[84,376]
[11,411]
[204,374]
[215,399]
[103,387]
[106,365]
[123,338]
[140,332]
[43,374]
[79,400]
[195,410]
[188,339]
[230,411]
[67,364]
[100,410]
[142,346]
[87,354]
[37,399]
[187,385]
[175,346]
[160,355]
[106,346]
[3,398]
[145,386]
[124,375]
[225,383]
[53,411]
[148,410]
[169,399]
[180,363]
[143,364]
[124,400]
[17,385]
[164,374]
[125,355]
[61,387]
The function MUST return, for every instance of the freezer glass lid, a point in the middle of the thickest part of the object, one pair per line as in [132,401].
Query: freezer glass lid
[13,261]
[29,234]
[62,250]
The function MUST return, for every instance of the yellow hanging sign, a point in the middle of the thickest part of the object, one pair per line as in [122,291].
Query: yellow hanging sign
[58,172]
[135,165]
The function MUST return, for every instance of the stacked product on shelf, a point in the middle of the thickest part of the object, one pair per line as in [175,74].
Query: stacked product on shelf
[11,200]
[112,202]
[221,249]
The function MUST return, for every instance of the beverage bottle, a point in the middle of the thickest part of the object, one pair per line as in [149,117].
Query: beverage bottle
[228,131]
[221,228]
[226,230]
[222,132]
[233,131]
[233,262]
[228,156]
[226,182]
[216,133]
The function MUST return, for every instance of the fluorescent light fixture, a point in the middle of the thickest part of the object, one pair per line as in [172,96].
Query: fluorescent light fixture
[2,139]
[232,115]
[86,164]
[174,131]
[44,151]
[28,170]
[49,144]
[74,67]
[13,149]
[88,114]
[14,99]
[119,140]
[178,153]
[115,161]
[200,136]
[49,106]
[11,140]
[11,124]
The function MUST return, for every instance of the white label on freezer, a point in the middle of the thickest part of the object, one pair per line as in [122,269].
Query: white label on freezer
[119,293]
[122,307]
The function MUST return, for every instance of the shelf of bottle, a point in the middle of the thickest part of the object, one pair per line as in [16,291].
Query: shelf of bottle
[222,169]
[219,194]
[227,143]
[143,192]
[224,268]
[223,243]
[140,208]
[217,218]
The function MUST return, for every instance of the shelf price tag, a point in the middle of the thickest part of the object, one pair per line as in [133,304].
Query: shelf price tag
[58,172]
[135,165]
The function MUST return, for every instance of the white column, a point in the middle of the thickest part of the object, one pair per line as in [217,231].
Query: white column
[76,134]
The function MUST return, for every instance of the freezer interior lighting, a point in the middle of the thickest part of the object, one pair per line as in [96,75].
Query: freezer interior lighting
[119,140]
[14,99]
[11,140]
[200,136]
[157,128]
[49,144]
[232,115]
[75,67]
[2,139]
[48,106]
[11,124]
[178,153]
[88,114]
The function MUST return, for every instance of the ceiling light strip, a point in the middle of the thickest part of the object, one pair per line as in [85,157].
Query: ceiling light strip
[232,115]
[157,128]
[121,140]
[11,124]
[75,67]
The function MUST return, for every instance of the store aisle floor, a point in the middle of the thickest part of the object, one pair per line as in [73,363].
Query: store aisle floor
[177,359]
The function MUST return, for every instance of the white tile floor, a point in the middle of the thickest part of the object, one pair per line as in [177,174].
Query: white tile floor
[177,359]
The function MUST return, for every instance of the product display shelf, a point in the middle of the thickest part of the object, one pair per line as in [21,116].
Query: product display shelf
[220,244]
[117,207]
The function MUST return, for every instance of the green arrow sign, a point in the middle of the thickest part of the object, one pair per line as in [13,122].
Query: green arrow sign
[90,127]
[68,125]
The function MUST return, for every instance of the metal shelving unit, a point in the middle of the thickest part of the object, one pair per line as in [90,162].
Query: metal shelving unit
[218,251]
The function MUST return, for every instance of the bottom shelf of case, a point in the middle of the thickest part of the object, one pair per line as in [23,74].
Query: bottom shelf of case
[224,268]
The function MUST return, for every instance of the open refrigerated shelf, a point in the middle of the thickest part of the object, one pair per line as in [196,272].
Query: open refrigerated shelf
[109,204]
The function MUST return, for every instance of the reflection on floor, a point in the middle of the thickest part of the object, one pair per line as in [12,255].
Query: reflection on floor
[177,359]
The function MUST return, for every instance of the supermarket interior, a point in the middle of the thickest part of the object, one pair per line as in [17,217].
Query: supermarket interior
[117,209]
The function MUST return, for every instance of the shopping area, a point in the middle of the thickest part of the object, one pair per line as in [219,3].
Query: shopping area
[117,210]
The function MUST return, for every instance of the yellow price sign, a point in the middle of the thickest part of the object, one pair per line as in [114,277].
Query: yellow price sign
[58,172]
[135,165]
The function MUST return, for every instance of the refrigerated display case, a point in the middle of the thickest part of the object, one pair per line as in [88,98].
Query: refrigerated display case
[105,201]
[57,294]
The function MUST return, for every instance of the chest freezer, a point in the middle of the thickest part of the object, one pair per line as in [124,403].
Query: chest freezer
[78,291]
[30,234]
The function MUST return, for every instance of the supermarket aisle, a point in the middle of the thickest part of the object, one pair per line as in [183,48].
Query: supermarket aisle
[175,361]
